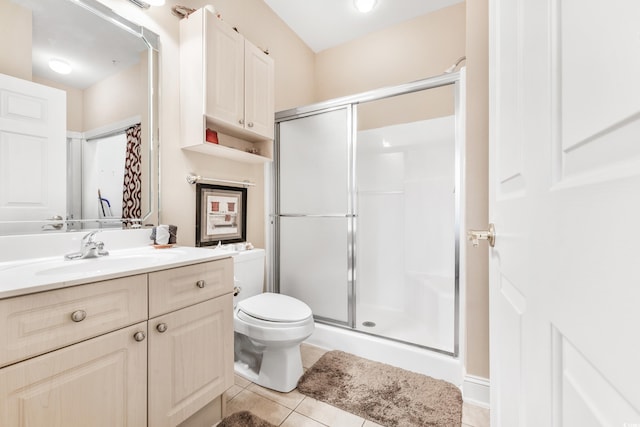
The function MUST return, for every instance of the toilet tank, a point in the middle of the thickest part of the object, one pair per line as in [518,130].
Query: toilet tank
[248,272]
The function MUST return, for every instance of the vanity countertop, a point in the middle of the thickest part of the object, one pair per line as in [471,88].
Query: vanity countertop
[41,274]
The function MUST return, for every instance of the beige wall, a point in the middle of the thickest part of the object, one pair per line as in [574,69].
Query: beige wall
[476,183]
[117,97]
[416,49]
[15,40]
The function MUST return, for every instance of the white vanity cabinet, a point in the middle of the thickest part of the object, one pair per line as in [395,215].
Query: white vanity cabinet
[226,85]
[149,349]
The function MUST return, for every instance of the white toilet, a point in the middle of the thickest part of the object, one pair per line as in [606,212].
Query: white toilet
[268,327]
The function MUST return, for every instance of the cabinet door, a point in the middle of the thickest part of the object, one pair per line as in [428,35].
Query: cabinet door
[100,383]
[224,53]
[259,88]
[191,362]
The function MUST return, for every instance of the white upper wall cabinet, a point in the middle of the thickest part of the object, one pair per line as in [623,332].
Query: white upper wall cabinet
[227,86]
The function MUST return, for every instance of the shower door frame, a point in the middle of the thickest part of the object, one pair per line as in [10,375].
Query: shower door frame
[457,79]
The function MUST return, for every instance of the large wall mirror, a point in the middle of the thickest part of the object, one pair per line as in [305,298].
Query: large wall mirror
[78,146]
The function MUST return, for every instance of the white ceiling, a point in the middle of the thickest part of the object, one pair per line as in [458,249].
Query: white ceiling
[95,47]
[322,24]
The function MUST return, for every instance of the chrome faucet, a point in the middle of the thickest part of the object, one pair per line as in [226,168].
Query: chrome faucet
[89,248]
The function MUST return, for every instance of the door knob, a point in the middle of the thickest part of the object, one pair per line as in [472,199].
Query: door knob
[476,235]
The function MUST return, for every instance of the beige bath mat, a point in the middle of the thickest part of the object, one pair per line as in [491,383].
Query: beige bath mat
[244,419]
[382,393]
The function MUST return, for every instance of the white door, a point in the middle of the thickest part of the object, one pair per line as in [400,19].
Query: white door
[33,153]
[565,200]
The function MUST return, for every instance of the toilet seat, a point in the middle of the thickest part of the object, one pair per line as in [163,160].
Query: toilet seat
[274,308]
[249,321]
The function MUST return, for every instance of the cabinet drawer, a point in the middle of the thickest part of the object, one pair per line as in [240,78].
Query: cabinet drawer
[184,286]
[37,323]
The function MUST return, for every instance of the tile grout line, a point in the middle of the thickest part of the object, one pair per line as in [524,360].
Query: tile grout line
[286,418]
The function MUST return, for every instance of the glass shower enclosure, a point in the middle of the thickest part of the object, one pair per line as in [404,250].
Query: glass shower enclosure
[367,210]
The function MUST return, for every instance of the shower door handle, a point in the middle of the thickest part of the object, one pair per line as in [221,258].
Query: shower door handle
[476,235]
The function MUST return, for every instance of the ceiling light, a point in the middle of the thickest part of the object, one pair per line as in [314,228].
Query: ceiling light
[364,6]
[156,2]
[59,66]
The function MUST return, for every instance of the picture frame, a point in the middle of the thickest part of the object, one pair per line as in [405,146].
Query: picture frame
[221,214]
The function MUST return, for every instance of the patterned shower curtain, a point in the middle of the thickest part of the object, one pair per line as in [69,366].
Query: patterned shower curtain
[132,192]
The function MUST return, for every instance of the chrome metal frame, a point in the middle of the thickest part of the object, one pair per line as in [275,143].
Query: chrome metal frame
[97,8]
[351,103]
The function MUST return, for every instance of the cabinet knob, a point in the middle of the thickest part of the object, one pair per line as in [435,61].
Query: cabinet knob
[201,284]
[161,327]
[250,124]
[78,315]
[241,121]
[139,336]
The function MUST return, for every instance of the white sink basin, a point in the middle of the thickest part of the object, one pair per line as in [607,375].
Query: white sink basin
[106,263]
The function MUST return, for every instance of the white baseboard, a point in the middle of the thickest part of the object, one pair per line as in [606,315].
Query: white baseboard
[475,390]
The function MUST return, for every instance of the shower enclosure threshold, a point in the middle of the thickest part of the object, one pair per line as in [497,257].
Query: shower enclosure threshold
[405,356]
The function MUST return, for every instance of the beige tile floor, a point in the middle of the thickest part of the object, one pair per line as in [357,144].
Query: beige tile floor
[294,409]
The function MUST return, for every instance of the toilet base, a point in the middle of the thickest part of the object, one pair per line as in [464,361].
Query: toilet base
[280,370]
[242,369]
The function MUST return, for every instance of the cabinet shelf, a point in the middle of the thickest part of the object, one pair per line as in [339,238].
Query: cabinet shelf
[227,152]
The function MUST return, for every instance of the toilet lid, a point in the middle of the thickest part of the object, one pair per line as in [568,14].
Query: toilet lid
[275,308]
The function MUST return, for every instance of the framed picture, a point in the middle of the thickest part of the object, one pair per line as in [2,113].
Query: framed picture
[221,214]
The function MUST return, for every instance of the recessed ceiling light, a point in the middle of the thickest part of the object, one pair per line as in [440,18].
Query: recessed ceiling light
[59,66]
[364,6]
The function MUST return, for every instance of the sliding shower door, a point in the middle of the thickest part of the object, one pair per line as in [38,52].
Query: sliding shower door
[315,213]
[367,211]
